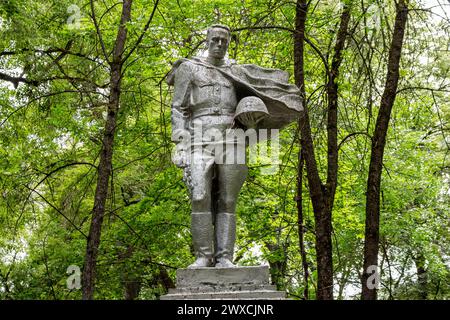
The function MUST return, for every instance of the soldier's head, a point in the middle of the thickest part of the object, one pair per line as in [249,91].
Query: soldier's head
[218,39]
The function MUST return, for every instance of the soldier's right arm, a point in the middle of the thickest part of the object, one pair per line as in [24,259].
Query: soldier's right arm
[180,102]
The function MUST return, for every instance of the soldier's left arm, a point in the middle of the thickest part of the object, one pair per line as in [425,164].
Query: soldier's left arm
[180,102]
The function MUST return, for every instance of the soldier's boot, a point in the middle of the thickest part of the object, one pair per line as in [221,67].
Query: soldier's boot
[202,238]
[225,237]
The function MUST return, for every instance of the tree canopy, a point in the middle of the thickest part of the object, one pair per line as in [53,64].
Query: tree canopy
[75,73]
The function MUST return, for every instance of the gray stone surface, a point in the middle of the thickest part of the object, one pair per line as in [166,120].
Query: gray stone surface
[228,295]
[206,289]
[258,275]
[239,283]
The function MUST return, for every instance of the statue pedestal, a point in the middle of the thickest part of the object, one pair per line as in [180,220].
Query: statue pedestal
[239,283]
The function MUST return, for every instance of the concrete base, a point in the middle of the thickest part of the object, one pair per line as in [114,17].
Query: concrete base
[239,283]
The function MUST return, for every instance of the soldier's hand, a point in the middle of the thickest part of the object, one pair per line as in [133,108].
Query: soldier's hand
[179,158]
[180,136]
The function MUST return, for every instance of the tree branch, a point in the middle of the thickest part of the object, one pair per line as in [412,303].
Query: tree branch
[423,88]
[16,80]
[36,82]
[141,37]
[57,210]
[97,28]
[352,135]
[49,51]
[44,96]
[308,41]
[63,167]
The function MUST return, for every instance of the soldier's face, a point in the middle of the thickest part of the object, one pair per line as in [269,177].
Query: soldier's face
[218,43]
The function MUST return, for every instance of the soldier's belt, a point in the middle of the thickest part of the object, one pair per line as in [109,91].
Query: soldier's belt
[215,111]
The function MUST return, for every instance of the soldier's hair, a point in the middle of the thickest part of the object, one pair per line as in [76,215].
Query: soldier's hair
[219,26]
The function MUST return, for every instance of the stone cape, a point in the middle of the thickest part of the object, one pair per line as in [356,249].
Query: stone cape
[282,99]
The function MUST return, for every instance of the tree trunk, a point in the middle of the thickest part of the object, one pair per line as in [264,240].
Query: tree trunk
[131,278]
[300,81]
[332,93]
[323,237]
[164,278]
[300,223]
[322,196]
[105,165]
[277,267]
[132,287]
[376,159]
[422,276]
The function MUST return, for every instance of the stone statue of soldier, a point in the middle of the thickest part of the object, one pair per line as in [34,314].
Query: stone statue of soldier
[207,93]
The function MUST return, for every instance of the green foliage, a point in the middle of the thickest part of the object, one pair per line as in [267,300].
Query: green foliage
[50,137]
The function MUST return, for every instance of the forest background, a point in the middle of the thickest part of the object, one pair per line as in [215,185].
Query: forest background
[88,190]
